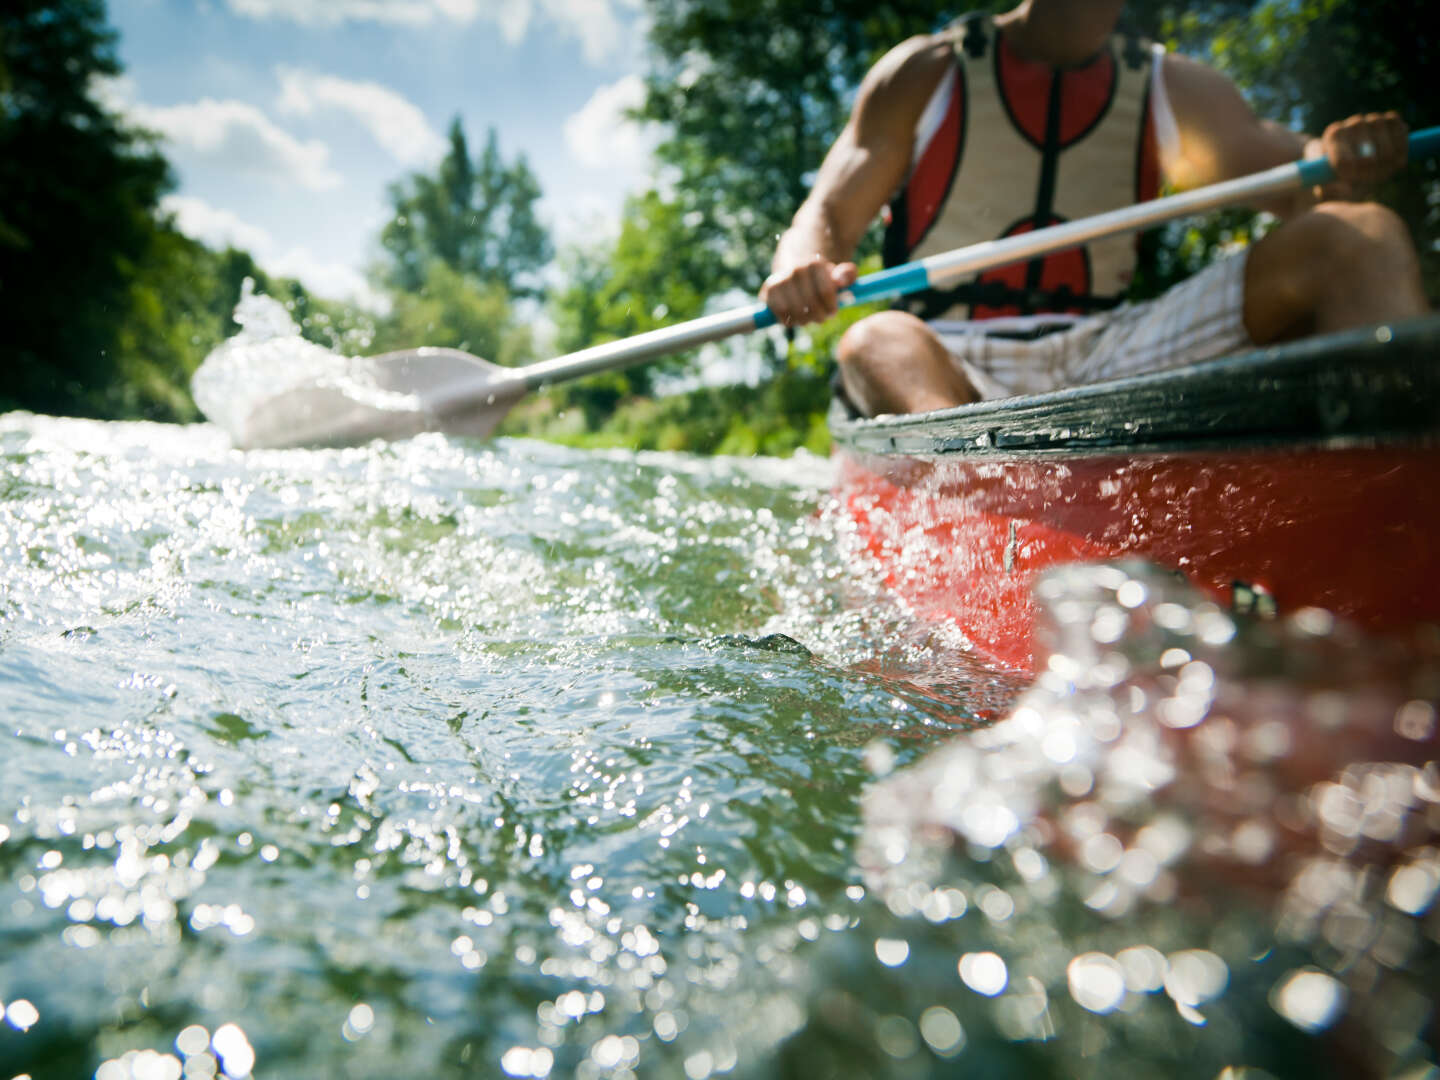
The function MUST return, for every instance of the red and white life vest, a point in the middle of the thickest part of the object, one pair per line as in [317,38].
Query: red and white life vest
[1007,145]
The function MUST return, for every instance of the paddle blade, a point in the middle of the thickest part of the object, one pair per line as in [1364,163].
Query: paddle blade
[383,397]
[268,387]
[326,415]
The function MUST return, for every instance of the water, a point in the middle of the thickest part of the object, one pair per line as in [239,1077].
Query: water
[446,759]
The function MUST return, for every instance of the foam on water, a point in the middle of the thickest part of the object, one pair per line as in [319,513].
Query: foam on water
[448,759]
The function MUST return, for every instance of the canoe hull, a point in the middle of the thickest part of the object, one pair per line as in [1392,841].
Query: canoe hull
[1307,476]
[1352,529]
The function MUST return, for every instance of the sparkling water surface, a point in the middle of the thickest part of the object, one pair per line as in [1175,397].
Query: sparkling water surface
[439,758]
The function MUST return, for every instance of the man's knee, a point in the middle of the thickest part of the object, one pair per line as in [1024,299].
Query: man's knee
[891,362]
[876,337]
[1338,265]
[1346,235]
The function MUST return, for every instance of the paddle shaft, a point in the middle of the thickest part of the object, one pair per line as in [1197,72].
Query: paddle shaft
[947,269]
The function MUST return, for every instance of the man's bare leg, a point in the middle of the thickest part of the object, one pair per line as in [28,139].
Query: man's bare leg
[1337,266]
[891,362]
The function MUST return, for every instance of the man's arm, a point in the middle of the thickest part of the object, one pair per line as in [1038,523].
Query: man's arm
[862,169]
[1221,138]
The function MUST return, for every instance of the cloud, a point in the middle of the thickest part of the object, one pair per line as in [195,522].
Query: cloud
[331,12]
[218,227]
[601,136]
[396,124]
[213,226]
[596,24]
[241,138]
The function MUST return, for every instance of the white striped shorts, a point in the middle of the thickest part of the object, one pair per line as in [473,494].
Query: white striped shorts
[1199,319]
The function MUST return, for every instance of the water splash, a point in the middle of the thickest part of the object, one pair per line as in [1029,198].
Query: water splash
[1271,784]
[268,367]
[431,757]
[508,744]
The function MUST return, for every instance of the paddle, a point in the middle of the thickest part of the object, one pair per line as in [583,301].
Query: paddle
[427,389]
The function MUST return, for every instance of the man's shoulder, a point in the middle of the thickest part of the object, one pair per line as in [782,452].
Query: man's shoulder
[1187,77]
[912,69]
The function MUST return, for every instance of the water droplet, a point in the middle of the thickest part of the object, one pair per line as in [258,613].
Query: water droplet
[984,972]
[1309,998]
[234,1050]
[942,1031]
[892,952]
[21,1015]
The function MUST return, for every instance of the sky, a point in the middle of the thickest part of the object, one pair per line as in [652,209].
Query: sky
[285,120]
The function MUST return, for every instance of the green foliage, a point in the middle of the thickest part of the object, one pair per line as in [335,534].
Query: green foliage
[77,200]
[1186,27]
[452,310]
[784,412]
[658,271]
[463,245]
[338,325]
[655,273]
[1313,62]
[107,309]
[475,217]
[777,416]
[175,315]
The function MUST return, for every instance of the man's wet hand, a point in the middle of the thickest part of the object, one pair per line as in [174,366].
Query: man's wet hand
[1366,149]
[807,292]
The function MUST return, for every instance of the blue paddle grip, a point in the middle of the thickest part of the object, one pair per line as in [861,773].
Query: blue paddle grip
[1423,144]
[897,281]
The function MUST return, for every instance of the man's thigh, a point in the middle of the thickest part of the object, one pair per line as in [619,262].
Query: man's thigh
[1200,319]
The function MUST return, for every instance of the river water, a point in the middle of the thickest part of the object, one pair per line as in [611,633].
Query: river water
[438,758]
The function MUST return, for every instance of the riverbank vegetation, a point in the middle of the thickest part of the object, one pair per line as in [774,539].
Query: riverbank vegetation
[106,308]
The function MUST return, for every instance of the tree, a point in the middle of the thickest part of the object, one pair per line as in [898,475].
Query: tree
[177,310]
[454,311]
[475,217]
[78,194]
[659,271]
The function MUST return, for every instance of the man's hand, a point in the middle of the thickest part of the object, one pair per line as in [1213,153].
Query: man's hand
[1363,151]
[807,292]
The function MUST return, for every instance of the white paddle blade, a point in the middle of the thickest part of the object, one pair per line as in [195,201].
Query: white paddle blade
[391,396]
[429,373]
[460,393]
[269,387]
[326,415]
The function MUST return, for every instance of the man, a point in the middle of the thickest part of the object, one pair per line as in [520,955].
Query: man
[995,126]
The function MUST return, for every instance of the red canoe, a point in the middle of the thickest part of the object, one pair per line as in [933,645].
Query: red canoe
[1304,475]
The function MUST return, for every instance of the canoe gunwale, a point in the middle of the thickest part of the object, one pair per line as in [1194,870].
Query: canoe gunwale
[1363,387]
